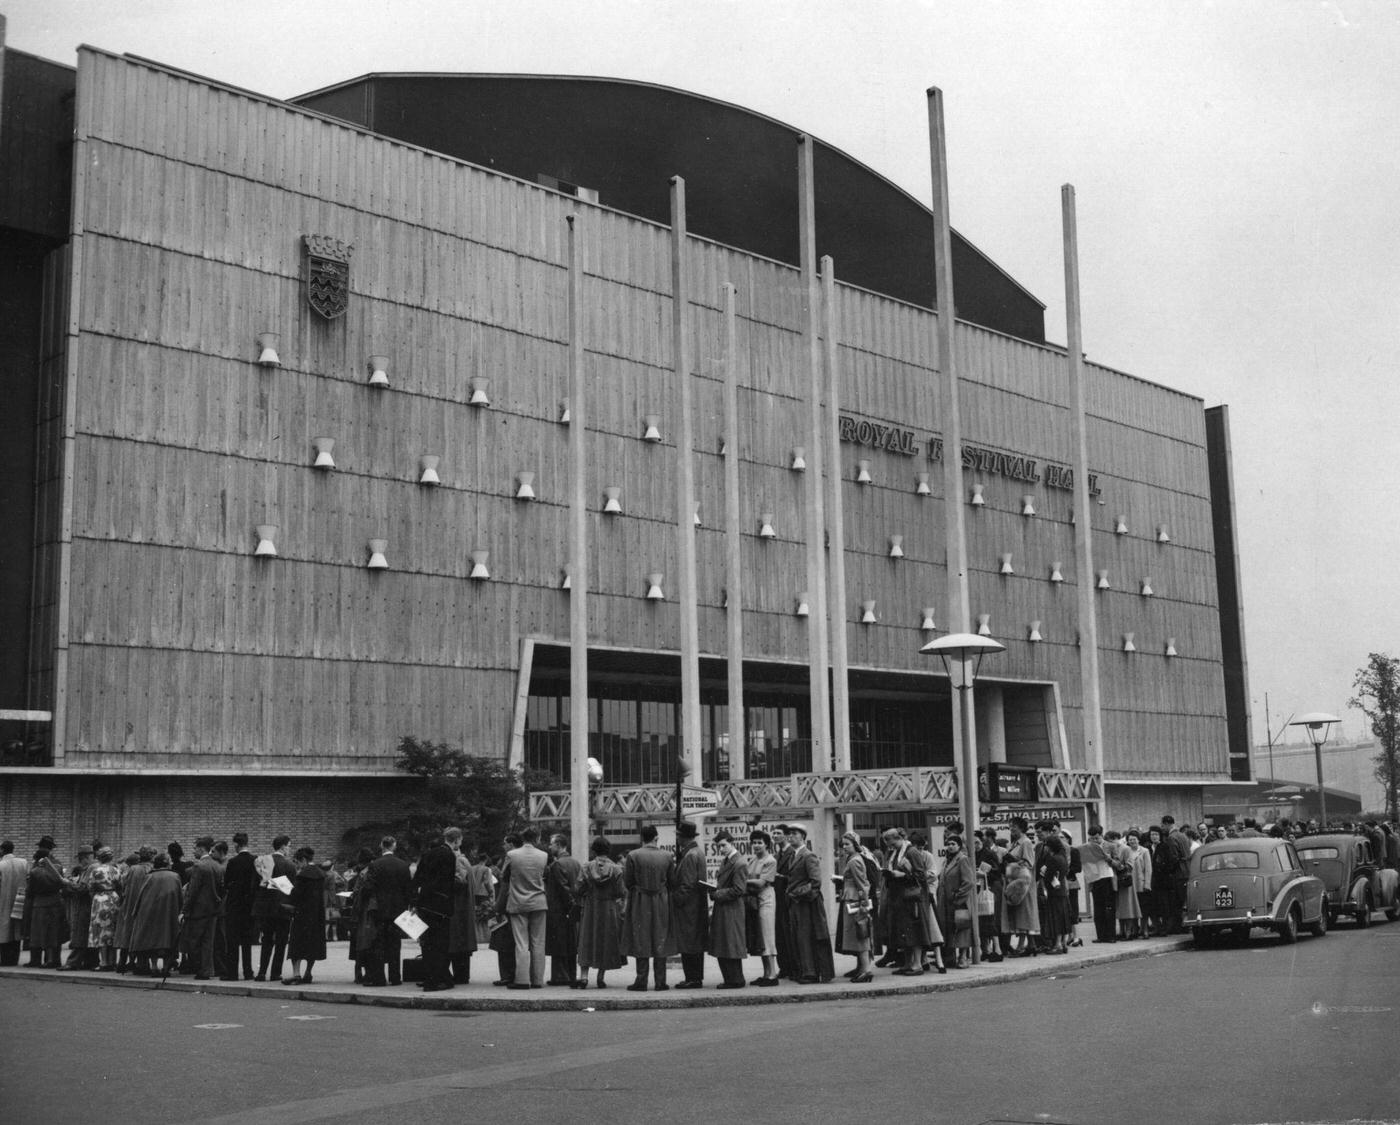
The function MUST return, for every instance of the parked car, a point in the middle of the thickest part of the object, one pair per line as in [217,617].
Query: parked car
[1237,885]
[1356,884]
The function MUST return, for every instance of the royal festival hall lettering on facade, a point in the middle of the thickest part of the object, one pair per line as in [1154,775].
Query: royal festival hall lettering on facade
[876,435]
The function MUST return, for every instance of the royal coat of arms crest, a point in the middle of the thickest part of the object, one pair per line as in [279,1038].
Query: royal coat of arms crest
[327,274]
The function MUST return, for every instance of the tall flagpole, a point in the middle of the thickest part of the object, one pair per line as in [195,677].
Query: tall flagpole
[578,563]
[691,748]
[836,524]
[1083,514]
[733,515]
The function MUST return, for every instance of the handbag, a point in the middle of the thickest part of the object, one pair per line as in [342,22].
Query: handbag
[1125,879]
[986,900]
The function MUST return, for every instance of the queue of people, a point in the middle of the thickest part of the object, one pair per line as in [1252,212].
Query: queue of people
[542,911]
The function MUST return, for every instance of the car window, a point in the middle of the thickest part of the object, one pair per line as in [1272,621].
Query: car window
[1319,853]
[1288,858]
[1230,861]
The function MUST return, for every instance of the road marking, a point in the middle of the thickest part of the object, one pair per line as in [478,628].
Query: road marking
[309,1017]
[353,1102]
[216,1026]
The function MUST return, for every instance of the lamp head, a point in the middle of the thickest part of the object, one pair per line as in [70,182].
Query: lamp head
[595,771]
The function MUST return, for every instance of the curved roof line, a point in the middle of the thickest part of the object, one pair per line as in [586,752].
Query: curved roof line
[371,75]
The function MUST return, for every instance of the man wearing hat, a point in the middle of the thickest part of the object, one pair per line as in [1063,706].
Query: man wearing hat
[811,937]
[77,897]
[647,873]
[728,937]
[690,908]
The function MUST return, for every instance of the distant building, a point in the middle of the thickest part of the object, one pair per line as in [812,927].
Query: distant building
[1350,766]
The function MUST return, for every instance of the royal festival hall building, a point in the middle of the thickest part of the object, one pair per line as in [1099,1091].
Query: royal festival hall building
[291,470]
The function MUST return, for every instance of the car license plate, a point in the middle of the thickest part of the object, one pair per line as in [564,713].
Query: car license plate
[1224,898]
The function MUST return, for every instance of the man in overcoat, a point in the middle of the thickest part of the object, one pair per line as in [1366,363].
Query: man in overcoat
[77,896]
[527,907]
[690,906]
[433,899]
[728,929]
[807,925]
[561,885]
[384,896]
[204,897]
[783,849]
[646,925]
[240,884]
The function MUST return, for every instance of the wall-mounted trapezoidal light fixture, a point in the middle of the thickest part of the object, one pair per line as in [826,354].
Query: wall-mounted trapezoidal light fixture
[921,487]
[928,624]
[377,561]
[978,499]
[1056,574]
[1171,647]
[1162,536]
[1006,567]
[612,503]
[1146,588]
[379,371]
[480,396]
[984,624]
[267,349]
[564,412]
[1028,505]
[867,613]
[1034,635]
[323,447]
[1128,645]
[525,485]
[798,464]
[896,546]
[698,521]
[267,546]
[479,569]
[566,581]
[1120,525]
[427,469]
[863,472]
[765,526]
[802,608]
[654,591]
[652,432]
[1103,583]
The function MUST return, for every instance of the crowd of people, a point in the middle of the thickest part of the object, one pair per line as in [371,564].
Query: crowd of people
[552,919]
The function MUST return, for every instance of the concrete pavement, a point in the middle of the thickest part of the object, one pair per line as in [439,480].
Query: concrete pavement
[333,982]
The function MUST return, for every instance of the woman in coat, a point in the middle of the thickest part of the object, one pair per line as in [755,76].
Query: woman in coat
[600,928]
[48,917]
[307,938]
[1164,865]
[761,906]
[956,890]
[728,940]
[1138,870]
[461,931]
[910,924]
[155,917]
[856,913]
[1022,917]
[14,873]
[1053,875]
[138,870]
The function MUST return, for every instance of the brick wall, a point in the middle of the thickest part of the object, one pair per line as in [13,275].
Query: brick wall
[127,812]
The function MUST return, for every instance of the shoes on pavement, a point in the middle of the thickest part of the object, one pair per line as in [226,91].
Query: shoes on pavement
[728,984]
[439,987]
[518,987]
[578,984]
[863,978]
[637,986]
[663,988]
[691,984]
[766,982]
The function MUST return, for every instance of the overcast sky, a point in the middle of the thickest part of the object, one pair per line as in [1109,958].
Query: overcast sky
[1236,164]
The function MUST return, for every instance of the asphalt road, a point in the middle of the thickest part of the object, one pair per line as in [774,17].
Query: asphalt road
[1239,1035]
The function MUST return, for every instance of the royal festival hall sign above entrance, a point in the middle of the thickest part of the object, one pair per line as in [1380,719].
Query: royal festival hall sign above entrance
[892,439]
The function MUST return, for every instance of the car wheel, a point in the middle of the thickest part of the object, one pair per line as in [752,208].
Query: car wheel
[1392,914]
[1363,915]
[1319,928]
[1288,928]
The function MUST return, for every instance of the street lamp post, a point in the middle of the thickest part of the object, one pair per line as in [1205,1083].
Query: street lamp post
[1319,724]
[962,654]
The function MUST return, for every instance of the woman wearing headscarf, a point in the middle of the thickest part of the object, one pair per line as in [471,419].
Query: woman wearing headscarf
[957,887]
[103,878]
[856,913]
[601,893]
[155,920]
[306,939]
[43,902]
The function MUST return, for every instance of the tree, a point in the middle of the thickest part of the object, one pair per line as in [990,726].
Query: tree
[1377,687]
[478,794]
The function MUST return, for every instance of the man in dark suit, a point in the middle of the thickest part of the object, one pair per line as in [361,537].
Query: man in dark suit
[561,884]
[272,909]
[690,906]
[433,888]
[199,915]
[240,884]
[386,888]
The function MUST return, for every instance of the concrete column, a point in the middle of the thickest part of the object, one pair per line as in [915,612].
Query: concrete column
[991,723]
